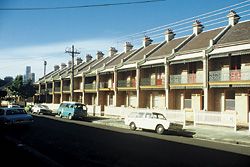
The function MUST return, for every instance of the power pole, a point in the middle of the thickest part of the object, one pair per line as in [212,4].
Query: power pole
[44,69]
[72,51]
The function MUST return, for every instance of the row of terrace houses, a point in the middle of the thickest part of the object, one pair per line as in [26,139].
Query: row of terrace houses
[205,71]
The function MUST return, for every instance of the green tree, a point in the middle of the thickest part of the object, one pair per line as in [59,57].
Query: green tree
[16,86]
[24,90]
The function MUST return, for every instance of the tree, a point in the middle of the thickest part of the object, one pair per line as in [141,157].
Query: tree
[3,93]
[16,85]
[24,90]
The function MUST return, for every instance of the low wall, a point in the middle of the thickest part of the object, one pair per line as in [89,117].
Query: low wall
[216,118]
[94,110]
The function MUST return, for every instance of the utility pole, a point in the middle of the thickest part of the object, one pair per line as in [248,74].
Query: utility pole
[72,51]
[44,69]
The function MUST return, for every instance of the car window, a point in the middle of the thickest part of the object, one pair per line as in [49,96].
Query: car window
[158,116]
[44,106]
[148,115]
[140,115]
[1,112]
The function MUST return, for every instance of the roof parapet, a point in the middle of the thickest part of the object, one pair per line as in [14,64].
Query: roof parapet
[169,35]
[146,41]
[127,47]
[78,60]
[233,18]
[99,55]
[88,58]
[63,65]
[197,27]
[56,67]
[112,51]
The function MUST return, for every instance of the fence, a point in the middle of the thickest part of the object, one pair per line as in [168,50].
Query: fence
[94,110]
[216,118]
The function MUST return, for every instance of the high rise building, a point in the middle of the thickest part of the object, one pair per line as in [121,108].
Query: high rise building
[28,75]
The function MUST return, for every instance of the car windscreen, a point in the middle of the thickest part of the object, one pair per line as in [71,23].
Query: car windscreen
[15,111]
[78,106]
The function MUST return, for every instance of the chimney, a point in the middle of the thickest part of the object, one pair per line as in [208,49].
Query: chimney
[78,60]
[112,51]
[169,35]
[99,54]
[69,63]
[56,67]
[197,27]
[63,65]
[146,41]
[233,18]
[127,47]
[88,58]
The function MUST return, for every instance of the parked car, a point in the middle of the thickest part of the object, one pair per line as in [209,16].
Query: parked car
[41,109]
[72,110]
[147,120]
[13,106]
[15,116]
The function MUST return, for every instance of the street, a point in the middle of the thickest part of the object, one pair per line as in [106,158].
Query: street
[65,142]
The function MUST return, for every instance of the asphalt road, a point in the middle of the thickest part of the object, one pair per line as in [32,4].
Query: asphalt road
[54,141]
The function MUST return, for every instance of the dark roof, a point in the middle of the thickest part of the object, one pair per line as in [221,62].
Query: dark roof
[118,59]
[166,48]
[101,63]
[239,32]
[201,41]
[140,54]
[85,68]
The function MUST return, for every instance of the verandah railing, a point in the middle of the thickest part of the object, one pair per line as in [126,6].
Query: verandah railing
[230,75]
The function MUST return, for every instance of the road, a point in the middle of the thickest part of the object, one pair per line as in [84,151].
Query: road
[62,142]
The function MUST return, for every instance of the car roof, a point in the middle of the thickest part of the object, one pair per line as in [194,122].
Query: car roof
[11,108]
[71,102]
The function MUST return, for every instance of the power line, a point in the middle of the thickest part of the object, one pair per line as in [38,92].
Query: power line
[187,20]
[84,6]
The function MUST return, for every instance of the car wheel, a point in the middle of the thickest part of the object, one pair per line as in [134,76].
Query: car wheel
[132,126]
[69,116]
[60,115]
[159,129]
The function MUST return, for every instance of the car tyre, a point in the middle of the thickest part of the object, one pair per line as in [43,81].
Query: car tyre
[132,126]
[60,115]
[69,116]
[159,129]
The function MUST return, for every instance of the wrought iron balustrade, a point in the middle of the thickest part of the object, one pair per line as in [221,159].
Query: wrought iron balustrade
[230,75]
[90,86]
[188,78]
[126,83]
[151,82]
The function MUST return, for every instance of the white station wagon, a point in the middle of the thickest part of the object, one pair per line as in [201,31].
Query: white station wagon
[147,120]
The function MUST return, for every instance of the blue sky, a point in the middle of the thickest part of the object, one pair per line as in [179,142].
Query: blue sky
[30,37]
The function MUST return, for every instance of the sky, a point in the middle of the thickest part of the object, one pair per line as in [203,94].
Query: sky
[30,37]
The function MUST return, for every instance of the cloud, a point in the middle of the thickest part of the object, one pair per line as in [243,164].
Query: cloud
[14,60]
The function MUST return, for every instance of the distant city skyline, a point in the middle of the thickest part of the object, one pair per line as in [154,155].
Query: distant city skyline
[28,75]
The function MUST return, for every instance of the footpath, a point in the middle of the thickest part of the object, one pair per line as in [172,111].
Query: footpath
[206,132]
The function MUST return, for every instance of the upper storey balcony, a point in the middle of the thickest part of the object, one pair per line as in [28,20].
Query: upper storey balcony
[187,76]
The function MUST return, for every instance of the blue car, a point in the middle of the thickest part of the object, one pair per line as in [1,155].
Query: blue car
[15,116]
[72,110]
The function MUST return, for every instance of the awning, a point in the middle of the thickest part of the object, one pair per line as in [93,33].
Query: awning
[157,62]
[191,57]
[107,70]
[233,50]
[127,67]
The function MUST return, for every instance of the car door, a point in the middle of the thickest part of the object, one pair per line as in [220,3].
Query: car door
[147,122]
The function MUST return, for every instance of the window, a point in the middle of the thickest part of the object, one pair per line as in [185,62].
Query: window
[235,63]
[192,68]
[1,112]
